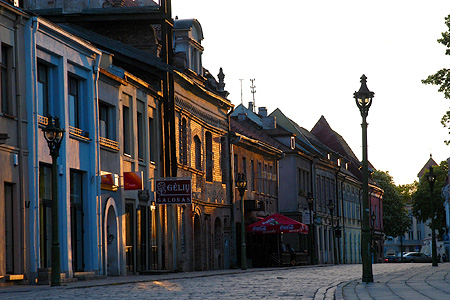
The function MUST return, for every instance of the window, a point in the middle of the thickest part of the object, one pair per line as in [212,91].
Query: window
[126,130]
[244,166]
[266,188]
[104,120]
[252,175]
[235,164]
[260,178]
[209,157]
[151,138]
[9,228]
[74,102]
[43,85]
[6,80]
[183,142]
[76,220]
[45,215]
[270,176]
[140,134]
[223,158]
[198,153]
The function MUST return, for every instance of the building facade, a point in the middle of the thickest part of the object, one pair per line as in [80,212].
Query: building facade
[14,151]
[62,73]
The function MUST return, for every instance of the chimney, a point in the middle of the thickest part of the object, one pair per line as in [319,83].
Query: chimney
[262,111]
[269,122]
[250,106]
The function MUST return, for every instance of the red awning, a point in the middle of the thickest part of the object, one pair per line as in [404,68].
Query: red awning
[277,223]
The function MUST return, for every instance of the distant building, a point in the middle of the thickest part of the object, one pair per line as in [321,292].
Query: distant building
[412,240]
[256,155]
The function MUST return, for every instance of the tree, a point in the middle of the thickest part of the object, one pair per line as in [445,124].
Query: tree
[442,77]
[396,219]
[421,198]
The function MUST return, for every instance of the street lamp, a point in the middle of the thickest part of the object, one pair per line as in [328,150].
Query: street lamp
[241,184]
[431,179]
[363,99]
[331,207]
[53,134]
[310,201]
[373,216]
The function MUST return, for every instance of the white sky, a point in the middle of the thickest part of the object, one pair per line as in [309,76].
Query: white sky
[308,56]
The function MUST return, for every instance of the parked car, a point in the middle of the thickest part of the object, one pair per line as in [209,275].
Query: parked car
[416,257]
[390,259]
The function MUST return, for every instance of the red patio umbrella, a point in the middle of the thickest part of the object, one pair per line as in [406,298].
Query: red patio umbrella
[277,223]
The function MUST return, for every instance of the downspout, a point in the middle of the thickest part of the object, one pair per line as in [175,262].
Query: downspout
[20,143]
[231,192]
[98,167]
[344,252]
[34,157]
[314,190]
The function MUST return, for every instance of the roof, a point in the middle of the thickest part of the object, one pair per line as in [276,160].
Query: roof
[250,130]
[323,131]
[115,46]
[191,24]
[429,163]
[302,141]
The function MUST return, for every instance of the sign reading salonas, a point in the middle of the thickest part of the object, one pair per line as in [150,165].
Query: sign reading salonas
[173,191]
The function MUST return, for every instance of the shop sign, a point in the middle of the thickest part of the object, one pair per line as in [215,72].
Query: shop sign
[133,181]
[173,190]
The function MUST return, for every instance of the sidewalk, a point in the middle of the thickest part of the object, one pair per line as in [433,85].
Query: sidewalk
[424,282]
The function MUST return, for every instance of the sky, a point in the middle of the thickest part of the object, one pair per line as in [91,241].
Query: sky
[307,58]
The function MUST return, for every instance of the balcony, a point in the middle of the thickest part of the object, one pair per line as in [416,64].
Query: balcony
[109,143]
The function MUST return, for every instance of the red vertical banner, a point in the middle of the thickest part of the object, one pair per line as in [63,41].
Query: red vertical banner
[133,181]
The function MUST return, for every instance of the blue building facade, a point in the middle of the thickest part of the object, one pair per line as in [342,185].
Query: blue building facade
[62,75]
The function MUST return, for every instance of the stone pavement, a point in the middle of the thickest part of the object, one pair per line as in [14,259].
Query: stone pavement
[421,282]
[392,281]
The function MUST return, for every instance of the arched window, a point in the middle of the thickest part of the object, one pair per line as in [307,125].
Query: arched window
[209,157]
[198,153]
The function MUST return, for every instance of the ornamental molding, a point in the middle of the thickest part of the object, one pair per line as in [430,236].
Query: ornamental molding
[196,112]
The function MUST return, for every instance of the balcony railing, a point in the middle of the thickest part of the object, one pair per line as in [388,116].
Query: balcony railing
[79,133]
[109,143]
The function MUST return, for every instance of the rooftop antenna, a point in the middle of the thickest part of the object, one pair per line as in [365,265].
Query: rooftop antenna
[253,90]
[242,101]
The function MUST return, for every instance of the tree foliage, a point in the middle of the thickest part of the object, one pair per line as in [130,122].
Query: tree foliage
[396,219]
[442,77]
[422,198]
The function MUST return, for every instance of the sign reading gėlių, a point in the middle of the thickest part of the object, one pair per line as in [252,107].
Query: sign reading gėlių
[173,191]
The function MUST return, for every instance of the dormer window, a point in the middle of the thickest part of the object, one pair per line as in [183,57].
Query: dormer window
[188,36]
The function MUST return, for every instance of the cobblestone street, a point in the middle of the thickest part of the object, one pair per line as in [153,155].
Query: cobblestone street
[318,282]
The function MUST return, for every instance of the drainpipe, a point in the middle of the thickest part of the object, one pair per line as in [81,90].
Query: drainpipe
[344,253]
[231,193]
[34,156]
[100,228]
[20,143]
[314,190]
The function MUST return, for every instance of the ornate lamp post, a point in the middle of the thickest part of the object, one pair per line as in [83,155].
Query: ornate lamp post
[241,184]
[310,201]
[363,99]
[53,134]
[373,216]
[431,179]
[331,207]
